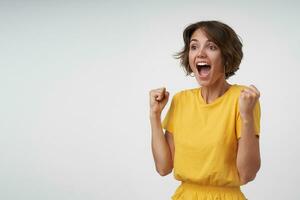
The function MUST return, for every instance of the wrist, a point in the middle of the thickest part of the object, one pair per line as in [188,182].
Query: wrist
[247,119]
[154,115]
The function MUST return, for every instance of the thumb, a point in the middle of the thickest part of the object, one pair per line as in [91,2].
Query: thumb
[167,94]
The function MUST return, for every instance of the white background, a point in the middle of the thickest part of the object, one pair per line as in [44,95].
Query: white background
[75,78]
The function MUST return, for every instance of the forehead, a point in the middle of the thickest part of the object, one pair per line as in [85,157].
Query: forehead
[200,35]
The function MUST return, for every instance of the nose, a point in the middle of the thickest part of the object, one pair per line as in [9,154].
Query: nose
[201,53]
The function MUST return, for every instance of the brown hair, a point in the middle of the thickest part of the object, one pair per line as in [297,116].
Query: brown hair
[221,34]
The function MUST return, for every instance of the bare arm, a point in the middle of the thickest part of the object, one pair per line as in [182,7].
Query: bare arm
[248,155]
[160,142]
[161,150]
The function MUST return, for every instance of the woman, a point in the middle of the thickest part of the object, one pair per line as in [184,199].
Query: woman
[211,132]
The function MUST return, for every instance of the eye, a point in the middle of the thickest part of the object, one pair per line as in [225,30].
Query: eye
[212,47]
[193,47]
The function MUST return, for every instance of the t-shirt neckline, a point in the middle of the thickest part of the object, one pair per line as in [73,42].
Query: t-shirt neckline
[203,103]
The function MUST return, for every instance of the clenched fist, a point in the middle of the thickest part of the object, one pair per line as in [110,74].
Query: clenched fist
[247,101]
[158,99]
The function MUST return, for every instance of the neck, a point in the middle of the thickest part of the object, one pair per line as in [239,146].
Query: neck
[212,92]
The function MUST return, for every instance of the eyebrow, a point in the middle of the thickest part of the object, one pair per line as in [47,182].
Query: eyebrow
[195,40]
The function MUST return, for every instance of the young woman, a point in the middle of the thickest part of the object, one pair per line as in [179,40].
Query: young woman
[211,134]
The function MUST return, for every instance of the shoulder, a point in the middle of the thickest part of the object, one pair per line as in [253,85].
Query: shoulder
[235,91]
[186,93]
[185,96]
[237,88]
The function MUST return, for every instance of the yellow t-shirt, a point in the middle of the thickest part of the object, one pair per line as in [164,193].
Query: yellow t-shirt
[206,136]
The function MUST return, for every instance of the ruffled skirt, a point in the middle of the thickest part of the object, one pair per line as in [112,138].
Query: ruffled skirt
[192,191]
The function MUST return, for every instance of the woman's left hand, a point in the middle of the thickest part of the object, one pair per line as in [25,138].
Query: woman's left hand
[247,101]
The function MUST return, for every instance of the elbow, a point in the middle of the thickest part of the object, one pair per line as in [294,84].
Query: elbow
[248,175]
[164,172]
[244,179]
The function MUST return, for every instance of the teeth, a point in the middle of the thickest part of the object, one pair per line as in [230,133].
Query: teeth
[201,64]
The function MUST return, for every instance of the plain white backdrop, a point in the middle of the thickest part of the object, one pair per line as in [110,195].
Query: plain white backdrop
[75,78]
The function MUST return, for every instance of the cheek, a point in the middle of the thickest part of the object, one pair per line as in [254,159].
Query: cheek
[217,60]
[219,63]
[191,59]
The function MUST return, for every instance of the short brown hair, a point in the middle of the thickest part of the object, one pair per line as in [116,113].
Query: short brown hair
[221,34]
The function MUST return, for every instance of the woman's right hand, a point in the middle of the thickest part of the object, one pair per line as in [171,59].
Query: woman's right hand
[158,100]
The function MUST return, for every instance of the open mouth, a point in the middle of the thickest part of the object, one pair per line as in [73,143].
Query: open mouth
[203,69]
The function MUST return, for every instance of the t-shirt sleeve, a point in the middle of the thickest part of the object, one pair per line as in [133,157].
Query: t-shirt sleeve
[256,116]
[169,121]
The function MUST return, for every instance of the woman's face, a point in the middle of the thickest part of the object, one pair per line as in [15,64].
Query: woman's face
[205,59]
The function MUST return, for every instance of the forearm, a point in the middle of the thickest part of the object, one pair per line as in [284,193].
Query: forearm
[248,156]
[160,148]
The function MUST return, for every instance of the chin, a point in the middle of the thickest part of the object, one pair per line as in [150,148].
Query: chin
[204,83]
